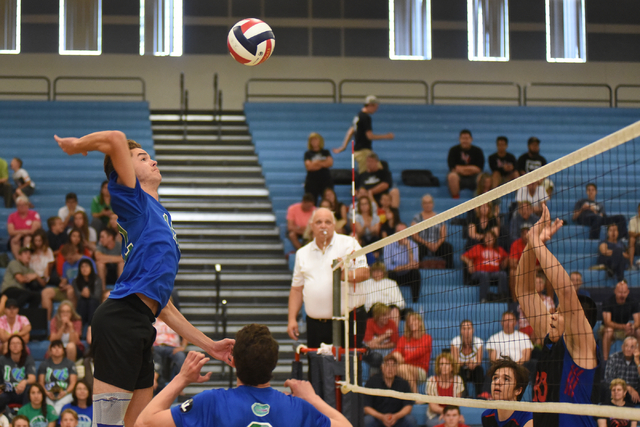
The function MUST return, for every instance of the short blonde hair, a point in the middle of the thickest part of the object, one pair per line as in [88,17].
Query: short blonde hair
[618,381]
[313,135]
[22,199]
[378,310]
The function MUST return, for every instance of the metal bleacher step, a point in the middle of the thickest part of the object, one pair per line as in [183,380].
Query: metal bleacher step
[216,206]
[188,159]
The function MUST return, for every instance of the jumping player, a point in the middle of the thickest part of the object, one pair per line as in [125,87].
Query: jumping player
[508,381]
[567,367]
[122,327]
[253,403]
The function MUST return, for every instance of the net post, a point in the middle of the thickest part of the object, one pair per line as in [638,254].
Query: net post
[337,278]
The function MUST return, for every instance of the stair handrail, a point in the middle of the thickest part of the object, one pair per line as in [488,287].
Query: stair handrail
[625,101]
[434,97]
[422,97]
[142,93]
[248,95]
[609,100]
[47,94]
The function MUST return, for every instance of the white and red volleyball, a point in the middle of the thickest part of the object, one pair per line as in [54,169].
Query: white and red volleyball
[251,42]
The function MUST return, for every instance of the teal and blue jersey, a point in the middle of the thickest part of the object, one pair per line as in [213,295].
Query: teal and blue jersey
[149,244]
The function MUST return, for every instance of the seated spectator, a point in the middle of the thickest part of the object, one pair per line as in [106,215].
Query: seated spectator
[168,350]
[381,332]
[481,221]
[64,291]
[533,193]
[620,317]
[452,417]
[89,235]
[113,224]
[486,263]
[21,224]
[42,260]
[508,382]
[360,193]
[13,324]
[339,209]
[18,421]
[108,256]
[612,254]
[5,185]
[388,411]
[523,323]
[24,185]
[634,242]
[70,207]
[101,208]
[502,163]
[298,217]
[56,236]
[466,351]
[413,351]
[82,403]
[624,364]
[531,160]
[367,223]
[69,418]
[509,342]
[515,253]
[618,388]
[576,281]
[446,382]
[377,181]
[66,326]
[432,241]
[88,289]
[75,239]
[317,161]
[401,259]
[385,206]
[388,227]
[522,217]
[591,213]
[381,289]
[20,282]
[394,314]
[19,371]
[57,376]
[484,184]
[38,411]
[465,162]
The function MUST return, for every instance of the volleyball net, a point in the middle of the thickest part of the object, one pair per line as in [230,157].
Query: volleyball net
[467,285]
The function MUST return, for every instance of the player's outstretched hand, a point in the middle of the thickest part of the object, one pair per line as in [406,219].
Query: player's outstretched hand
[223,350]
[536,230]
[301,389]
[190,371]
[69,145]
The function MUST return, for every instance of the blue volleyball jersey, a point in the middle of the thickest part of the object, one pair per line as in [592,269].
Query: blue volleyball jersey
[517,419]
[149,244]
[246,406]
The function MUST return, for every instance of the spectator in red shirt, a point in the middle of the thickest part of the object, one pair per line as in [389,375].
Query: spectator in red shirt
[413,351]
[452,417]
[298,216]
[381,332]
[486,262]
[21,224]
[517,247]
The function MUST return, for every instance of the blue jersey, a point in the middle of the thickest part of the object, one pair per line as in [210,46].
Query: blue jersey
[149,244]
[247,406]
[85,415]
[517,419]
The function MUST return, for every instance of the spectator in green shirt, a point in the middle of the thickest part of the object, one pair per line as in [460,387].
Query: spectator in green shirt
[101,208]
[5,185]
[39,413]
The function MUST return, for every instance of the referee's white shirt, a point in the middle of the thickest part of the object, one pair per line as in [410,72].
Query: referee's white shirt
[313,271]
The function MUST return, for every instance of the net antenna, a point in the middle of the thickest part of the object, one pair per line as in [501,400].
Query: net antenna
[507,192]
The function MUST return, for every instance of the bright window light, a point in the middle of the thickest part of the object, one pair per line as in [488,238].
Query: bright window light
[488,30]
[161,27]
[80,27]
[10,12]
[410,29]
[566,31]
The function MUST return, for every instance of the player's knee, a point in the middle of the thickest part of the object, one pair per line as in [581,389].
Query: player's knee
[109,409]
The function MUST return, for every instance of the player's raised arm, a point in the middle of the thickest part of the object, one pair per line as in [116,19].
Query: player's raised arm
[111,143]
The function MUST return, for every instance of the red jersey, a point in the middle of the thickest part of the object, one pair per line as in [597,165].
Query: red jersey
[416,352]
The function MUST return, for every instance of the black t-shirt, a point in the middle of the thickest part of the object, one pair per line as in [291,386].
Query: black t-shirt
[387,405]
[598,205]
[620,313]
[362,124]
[488,226]
[471,157]
[497,163]
[528,162]
[57,240]
[321,175]
[369,180]
[616,422]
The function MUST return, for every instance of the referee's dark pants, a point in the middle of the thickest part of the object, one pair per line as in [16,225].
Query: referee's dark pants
[321,330]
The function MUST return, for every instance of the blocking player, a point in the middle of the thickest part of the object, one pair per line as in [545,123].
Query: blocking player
[565,372]
[253,403]
[122,327]
[508,381]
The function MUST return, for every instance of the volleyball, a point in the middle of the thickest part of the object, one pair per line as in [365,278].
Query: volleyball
[251,42]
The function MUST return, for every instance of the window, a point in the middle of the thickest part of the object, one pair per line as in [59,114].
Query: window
[410,29]
[80,27]
[10,18]
[566,38]
[161,27]
[488,30]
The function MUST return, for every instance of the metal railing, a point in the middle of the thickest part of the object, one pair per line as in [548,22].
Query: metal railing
[577,100]
[422,97]
[466,97]
[184,108]
[626,101]
[46,94]
[125,94]
[217,105]
[288,95]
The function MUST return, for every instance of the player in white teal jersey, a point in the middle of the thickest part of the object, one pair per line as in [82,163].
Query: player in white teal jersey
[122,327]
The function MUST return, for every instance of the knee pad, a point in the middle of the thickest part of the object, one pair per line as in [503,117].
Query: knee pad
[109,408]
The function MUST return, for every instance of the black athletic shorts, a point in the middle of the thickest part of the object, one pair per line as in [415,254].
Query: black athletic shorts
[122,339]
[469,182]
